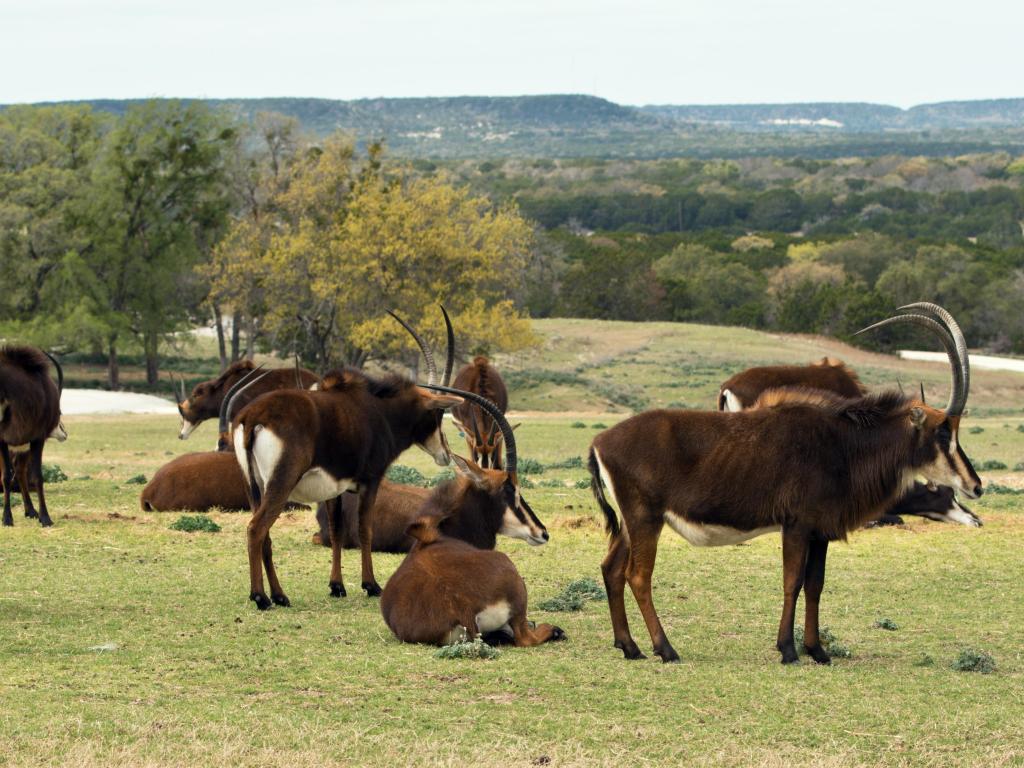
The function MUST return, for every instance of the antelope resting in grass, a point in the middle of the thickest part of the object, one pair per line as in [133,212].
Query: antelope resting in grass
[311,446]
[393,512]
[202,481]
[807,463]
[29,414]
[481,431]
[208,396]
[742,391]
[453,585]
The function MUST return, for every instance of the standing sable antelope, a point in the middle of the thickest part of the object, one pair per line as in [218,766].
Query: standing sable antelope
[29,414]
[207,396]
[481,431]
[452,584]
[396,507]
[202,481]
[741,392]
[807,463]
[311,446]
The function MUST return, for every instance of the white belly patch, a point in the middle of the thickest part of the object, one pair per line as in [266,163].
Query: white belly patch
[493,616]
[318,485]
[708,535]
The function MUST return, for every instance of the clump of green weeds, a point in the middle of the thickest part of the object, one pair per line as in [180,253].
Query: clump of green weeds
[399,473]
[52,473]
[195,523]
[573,462]
[529,467]
[972,660]
[467,649]
[136,480]
[991,464]
[828,641]
[886,623]
[575,595]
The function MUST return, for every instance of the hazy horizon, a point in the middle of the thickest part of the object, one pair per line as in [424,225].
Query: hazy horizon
[632,53]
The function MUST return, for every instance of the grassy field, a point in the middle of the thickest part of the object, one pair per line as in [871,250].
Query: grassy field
[123,642]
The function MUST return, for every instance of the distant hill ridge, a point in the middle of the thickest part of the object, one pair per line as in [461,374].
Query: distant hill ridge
[579,125]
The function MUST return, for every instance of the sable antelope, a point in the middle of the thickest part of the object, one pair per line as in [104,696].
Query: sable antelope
[311,446]
[394,510]
[29,414]
[447,590]
[207,396]
[742,391]
[202,481]
[808,463]
[481,431]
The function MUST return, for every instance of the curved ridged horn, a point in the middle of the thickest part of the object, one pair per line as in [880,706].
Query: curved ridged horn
[427,354]
[227,404]
[176,390]
[298,374]
[449,361]
[495,413]
[955,332]
[60,373]
[957,396]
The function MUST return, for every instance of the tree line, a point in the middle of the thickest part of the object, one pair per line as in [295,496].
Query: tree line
[117,233]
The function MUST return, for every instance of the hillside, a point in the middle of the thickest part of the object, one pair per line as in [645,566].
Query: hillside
[588,126]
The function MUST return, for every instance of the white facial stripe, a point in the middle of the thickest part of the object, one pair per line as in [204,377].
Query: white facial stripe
[435,446]
[956,514]
[59,433]
[732,403]
[515,528]
[187,427]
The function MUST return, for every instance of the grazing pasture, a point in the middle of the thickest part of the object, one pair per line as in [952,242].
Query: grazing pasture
[124,642]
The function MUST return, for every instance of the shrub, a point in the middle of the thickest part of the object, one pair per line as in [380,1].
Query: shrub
[529,467]
[888,624]
[137,480]
[441,477]
[477,649]
[828,641]
[551,483]
[573,462]
[976,430]
[581,425]
[399,473]
[971,660]
[599,425]
[575,595]
[52,473]
[999,490]
[194,523]
[582,483]
[991,464]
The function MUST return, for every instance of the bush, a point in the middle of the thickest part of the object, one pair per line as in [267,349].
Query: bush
[991,464]
[582,483]
[477,649]
[888,624]
[971,660]
[194,523]
[573,462]
[137,480]
[441,477]
[828,641]
[576,594]
[1001,490]
[581,425]
[976,430]
[551,483]
[529,467]
[399,473]
[52,473]
[599,425]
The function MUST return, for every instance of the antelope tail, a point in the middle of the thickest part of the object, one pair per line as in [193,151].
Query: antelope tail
[611,518]
[254,486]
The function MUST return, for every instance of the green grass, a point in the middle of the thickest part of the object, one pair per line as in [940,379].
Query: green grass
[123,642]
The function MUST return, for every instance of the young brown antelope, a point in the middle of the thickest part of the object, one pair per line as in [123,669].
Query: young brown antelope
[29,414]
[481,431]
[311,446]
[807,463]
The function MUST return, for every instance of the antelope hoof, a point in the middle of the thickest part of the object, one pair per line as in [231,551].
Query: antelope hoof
[8,522]
[789,655]
[557,633]
[818,654]
[338,589]
[31,513]
[261,600]
[372,588]
[668,655]
[46,522]
[630,650]
[281,600]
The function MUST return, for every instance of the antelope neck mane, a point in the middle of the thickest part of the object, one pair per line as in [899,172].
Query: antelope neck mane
[352,380]
[29,359]
[867,412]
[238,367]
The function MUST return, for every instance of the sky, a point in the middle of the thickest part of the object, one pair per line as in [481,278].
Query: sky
[899,52]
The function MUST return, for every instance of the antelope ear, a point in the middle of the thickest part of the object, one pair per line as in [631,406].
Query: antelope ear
[918,417]
[438,402]
[470,470]
[425,528]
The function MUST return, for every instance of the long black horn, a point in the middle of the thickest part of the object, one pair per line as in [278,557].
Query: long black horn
[298,375]
[449,361]
[957,400]
[174,387]
[495,413]
[60,374]
[229,398]
[427,354]
[958,339]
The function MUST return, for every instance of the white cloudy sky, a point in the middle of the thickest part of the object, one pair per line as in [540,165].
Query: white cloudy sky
[900,52]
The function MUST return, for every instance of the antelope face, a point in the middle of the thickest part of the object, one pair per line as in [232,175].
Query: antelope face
[60,434]
[201,404]
[519,521]
[429,431]
[943,461]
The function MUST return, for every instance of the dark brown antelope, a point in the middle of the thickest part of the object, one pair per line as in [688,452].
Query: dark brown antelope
[207,396]
[393,512]
[831,375]
[481,431]
[807,463]
[311,446]
[29,415]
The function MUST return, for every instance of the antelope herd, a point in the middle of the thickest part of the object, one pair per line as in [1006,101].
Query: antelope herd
[801,450]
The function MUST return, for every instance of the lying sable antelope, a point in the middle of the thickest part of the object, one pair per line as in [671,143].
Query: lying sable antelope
[396,507]
[481,431]
[453,585]
[29,414]
[742,391]
[311,446]
[202,481]
[207,396]
[807,463]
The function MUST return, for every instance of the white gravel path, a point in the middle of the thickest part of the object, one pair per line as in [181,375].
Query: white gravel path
[85,401]
[981,362]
